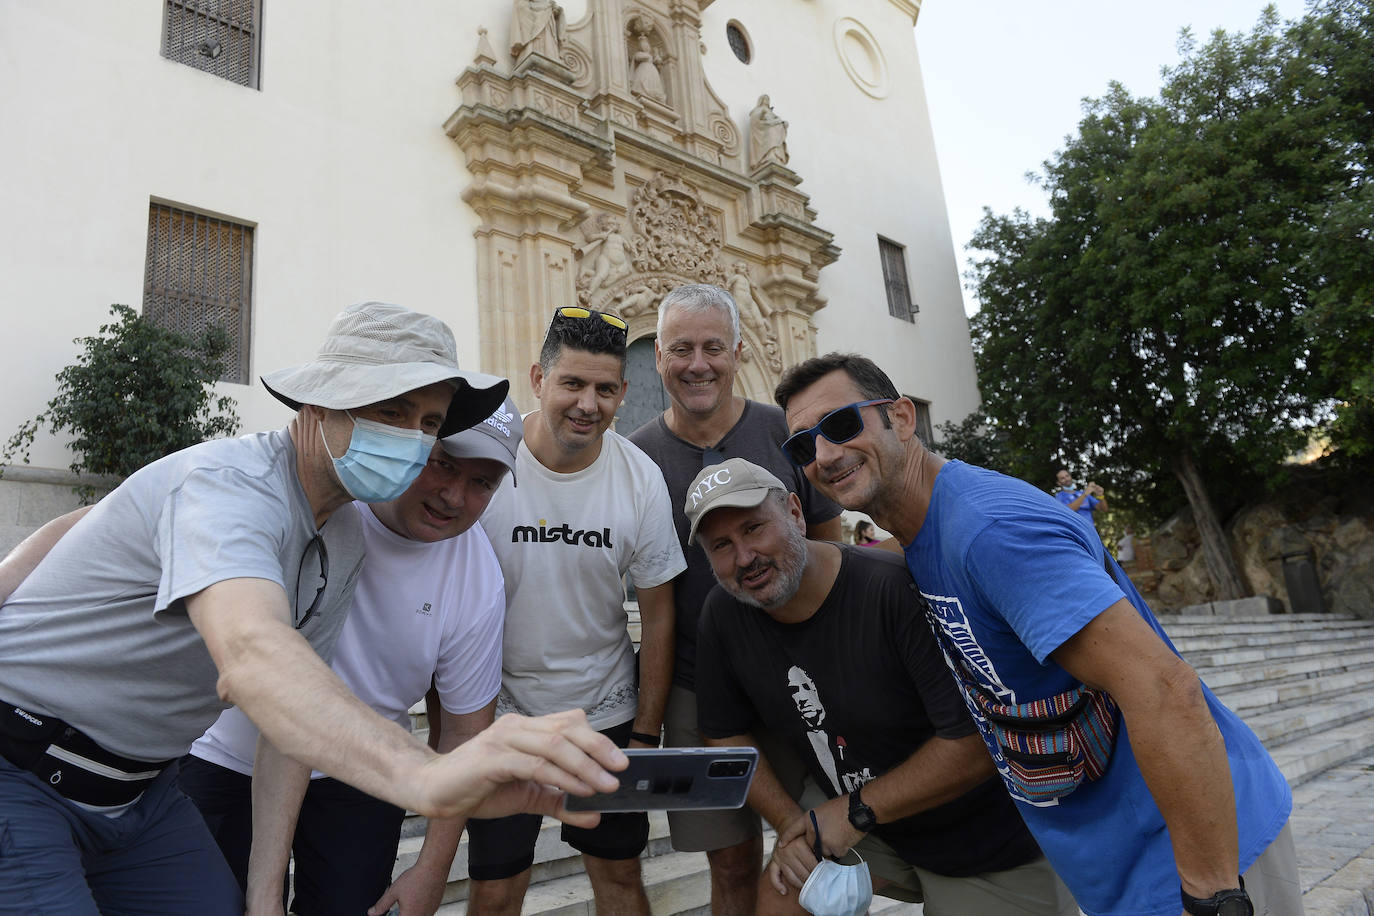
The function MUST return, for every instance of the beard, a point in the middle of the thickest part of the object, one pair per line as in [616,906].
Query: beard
[790,567]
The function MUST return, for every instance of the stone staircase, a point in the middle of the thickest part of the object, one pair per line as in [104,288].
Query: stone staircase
[1305,683]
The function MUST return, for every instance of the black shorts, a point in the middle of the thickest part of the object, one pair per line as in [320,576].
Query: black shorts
[504,847]
[345,842]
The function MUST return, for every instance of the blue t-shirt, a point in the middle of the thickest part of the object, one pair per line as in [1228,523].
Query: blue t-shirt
[1009,582]
[1086,509]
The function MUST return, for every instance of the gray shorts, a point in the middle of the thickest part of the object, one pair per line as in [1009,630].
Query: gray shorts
[1032,889]
[708,831]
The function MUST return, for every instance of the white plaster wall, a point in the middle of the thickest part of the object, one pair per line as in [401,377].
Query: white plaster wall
[869,166]
[340,161]
[341,164]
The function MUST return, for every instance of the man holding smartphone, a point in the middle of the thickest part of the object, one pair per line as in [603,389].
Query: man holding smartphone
[221,575]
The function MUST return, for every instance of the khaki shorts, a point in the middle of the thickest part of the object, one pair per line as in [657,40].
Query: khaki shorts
[707,831]
[1272,879]
[1032,889]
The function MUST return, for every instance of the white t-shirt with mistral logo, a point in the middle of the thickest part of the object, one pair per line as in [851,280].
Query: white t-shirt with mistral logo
[564,542]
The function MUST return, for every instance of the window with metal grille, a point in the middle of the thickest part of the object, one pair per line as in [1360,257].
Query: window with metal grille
[899,303]
[924,430]
[739,42]
[199,274]
[217,36]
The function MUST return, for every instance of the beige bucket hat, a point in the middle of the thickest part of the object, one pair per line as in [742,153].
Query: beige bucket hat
[375,351]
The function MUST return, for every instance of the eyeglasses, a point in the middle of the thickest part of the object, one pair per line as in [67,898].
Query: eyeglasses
[575,311]
[306,576]
[711,456]
[838,426]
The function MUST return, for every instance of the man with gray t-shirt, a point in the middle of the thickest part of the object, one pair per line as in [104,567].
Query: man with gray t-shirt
[221,574]
[698,352]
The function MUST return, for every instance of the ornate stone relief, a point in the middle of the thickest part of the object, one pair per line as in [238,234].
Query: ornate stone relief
[606,171]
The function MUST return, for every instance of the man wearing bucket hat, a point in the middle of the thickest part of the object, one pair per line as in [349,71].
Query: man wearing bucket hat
[429,607]
[824,646]
[220,575]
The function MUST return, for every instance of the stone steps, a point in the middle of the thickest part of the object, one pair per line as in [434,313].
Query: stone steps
[1303,682]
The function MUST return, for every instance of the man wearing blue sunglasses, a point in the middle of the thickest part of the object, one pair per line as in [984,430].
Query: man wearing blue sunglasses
[1029,609]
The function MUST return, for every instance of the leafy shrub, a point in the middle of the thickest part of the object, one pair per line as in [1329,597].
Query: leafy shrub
[137,392]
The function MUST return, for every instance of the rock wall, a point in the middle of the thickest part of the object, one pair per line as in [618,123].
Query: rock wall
[1318,518]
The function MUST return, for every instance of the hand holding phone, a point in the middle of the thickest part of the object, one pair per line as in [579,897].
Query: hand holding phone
[677,779]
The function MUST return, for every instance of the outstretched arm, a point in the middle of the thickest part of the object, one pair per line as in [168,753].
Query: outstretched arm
[519,764]
[420,889]
[1176,742]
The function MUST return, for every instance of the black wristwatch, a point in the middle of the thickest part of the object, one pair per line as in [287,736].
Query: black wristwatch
[860,815]
[1233,902]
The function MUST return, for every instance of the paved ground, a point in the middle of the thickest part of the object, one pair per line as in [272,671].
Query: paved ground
[1333,829]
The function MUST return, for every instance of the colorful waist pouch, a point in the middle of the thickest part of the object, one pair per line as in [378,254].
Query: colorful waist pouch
[1054,745]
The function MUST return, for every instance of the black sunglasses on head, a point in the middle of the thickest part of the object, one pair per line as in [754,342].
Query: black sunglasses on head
[838,426]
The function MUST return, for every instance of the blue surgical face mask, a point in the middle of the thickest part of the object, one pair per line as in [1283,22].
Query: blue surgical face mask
[382,461]
[833,889]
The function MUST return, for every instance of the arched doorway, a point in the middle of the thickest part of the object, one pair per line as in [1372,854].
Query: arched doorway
[645,398]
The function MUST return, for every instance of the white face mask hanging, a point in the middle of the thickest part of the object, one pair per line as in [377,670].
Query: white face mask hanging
[833,889]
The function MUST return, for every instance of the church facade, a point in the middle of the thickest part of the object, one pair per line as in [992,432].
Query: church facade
[260,165]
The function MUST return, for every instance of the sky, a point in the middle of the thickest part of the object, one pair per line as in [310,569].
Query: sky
[1005,82]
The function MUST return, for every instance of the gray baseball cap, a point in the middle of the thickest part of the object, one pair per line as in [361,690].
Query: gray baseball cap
[497,438]
[375,351]
[734,484]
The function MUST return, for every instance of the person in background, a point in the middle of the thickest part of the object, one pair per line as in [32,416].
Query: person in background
[863,535]
[1086,501]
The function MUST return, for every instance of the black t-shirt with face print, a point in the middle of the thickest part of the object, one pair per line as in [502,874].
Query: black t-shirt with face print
[855,690]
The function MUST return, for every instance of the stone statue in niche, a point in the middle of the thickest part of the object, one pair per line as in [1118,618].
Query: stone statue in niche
[754,313]
[605,257]
[536,28]
[767,135]
[645,78]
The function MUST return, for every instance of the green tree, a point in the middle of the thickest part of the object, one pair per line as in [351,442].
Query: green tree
[1333,75]
[1155,322]
[137,392]
[978,439]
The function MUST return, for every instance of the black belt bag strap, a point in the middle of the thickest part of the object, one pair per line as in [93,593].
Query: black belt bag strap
[72,763]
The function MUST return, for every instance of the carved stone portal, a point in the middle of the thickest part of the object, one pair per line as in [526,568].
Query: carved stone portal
[614,174]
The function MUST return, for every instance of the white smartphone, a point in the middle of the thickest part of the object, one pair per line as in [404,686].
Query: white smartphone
[677,779]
